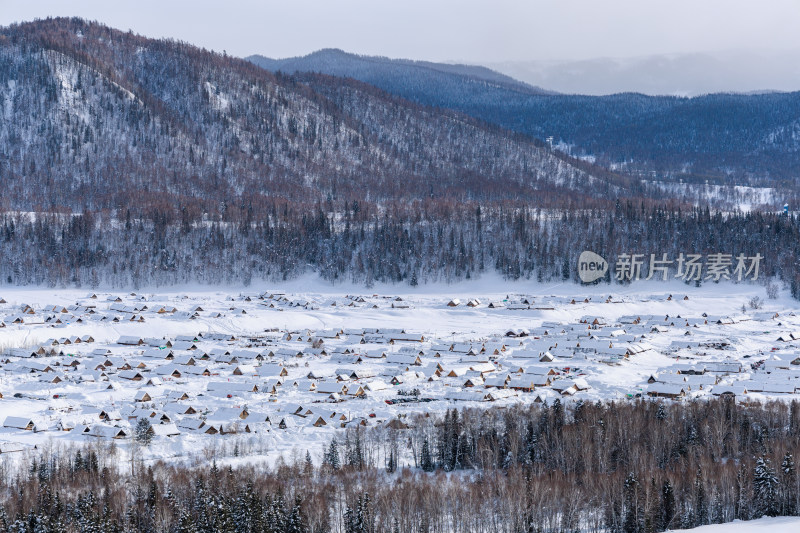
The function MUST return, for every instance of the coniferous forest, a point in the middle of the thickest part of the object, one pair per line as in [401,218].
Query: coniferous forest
[410,245]
[629,467]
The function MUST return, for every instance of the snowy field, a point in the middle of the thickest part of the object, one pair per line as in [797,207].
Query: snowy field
[762,525]
[269,371]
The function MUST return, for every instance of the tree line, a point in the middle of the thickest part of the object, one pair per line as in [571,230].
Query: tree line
[355,241]
[627,467]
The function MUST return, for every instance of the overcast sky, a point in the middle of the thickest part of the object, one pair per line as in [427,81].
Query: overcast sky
[440,30]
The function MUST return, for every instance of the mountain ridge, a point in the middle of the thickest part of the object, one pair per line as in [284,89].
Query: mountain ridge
[724,138]
[86,102]
[326,56]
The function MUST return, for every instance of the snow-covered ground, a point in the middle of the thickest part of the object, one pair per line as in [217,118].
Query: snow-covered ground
[229,369]
[781,524]
[744,198]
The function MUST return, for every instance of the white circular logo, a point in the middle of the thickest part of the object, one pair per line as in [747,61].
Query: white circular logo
[591,267]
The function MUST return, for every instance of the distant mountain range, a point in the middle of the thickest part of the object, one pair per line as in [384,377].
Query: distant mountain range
[381,71]
[724,138]
[744,72]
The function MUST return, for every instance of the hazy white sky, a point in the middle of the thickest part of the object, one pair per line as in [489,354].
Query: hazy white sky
[467,30]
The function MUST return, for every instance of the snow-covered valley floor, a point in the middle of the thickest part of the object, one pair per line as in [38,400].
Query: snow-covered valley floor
[781,524]
[259,373]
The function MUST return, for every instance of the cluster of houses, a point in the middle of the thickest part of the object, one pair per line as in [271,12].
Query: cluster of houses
[218,383]
[112,309]
[137,308]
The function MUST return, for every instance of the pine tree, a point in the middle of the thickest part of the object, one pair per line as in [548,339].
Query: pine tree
[142,432]
[186,523]
[789,485]
[456,447]
[391,461]
[296,522]
[700,500]
[355,453]
[557,415]
[78,464]
[426,459]
[765,489]
[667,507]
[331,457]
[630,523]
[348,519]
[359,519]
[277,513]
[308,467]
[531,443]
[741,505]
[93,463]
[717,509]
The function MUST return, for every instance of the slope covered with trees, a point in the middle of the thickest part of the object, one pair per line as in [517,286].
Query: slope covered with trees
[96,118]
[724,138]
[131,161]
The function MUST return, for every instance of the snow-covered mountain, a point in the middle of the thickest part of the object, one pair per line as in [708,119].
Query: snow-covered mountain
[98,118]
[725,138]
[419,77]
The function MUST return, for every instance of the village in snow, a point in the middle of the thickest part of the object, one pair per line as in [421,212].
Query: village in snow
[277,371]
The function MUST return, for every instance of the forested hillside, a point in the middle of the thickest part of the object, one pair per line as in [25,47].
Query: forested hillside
[130,161]
[725,138]
[96,118]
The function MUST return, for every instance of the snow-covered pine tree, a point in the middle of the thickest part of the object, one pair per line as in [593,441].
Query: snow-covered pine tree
[142,432]
[788,486]
[426,458]
[295,522]
[667,506]
[331,456]
[765,489]
[391,461]
[308,466]
[630,523]
[700,500]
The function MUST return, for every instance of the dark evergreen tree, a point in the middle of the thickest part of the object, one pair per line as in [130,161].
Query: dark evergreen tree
[788,480]
[143,432]
[296,522]
[700,500]
[631,522]
[426,458]
[667,506]
[331,457]
[765,489]
[391,461]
